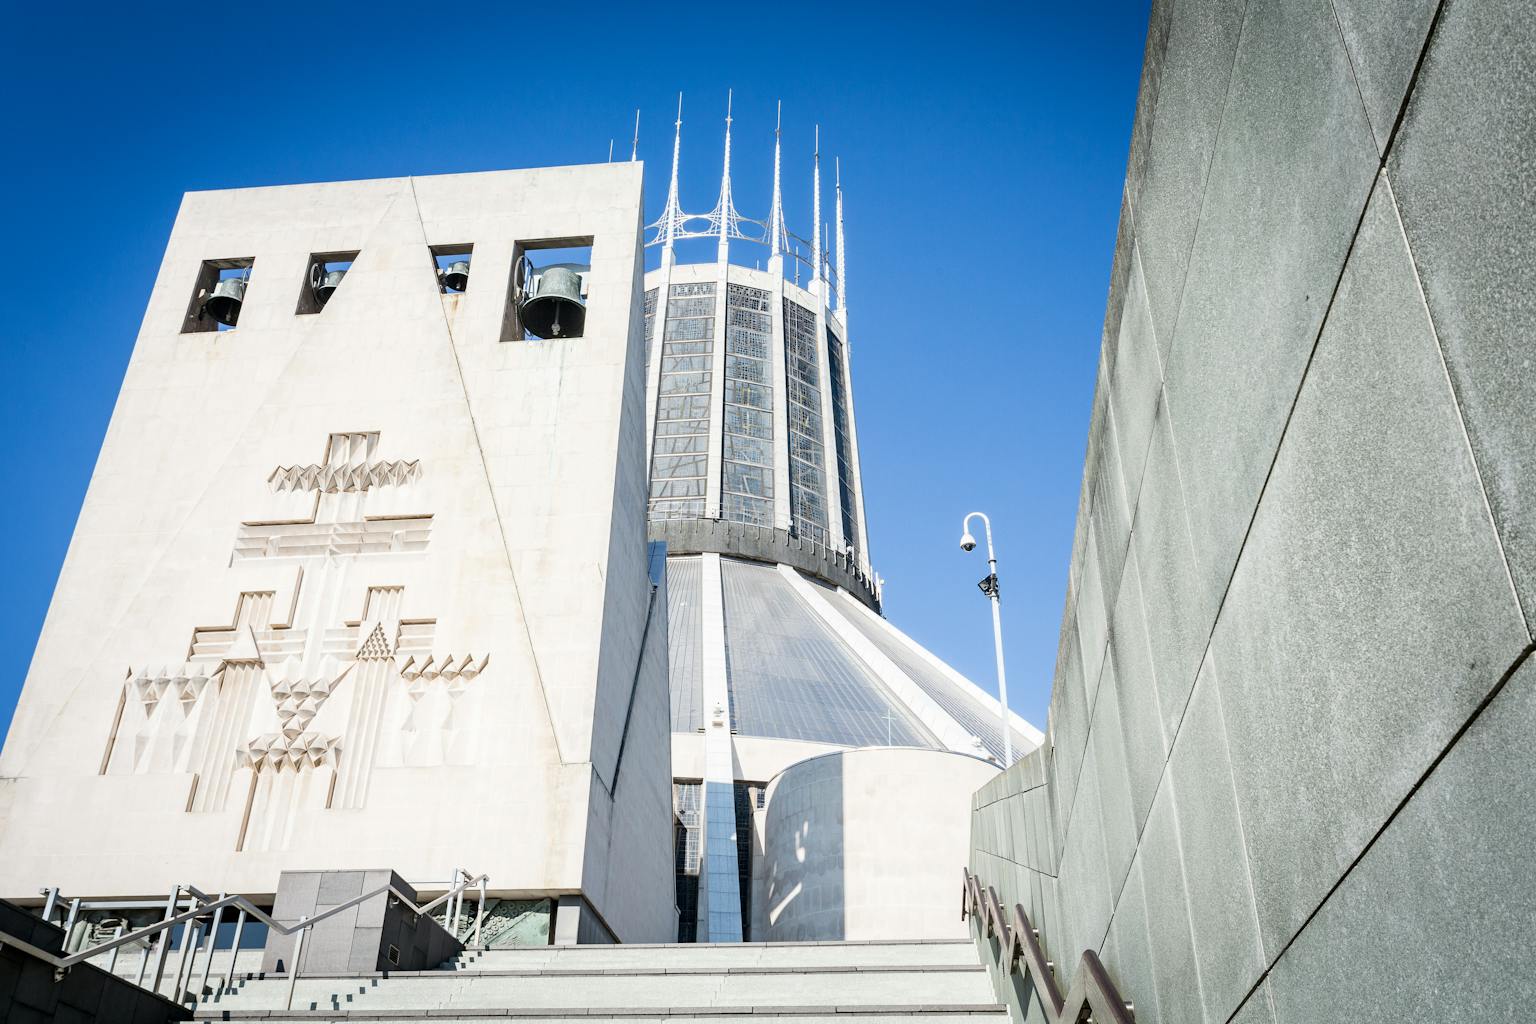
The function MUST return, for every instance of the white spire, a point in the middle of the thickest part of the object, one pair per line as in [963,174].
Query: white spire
[725,207]
[842,282]
[672,214]
[634,147]
[776,215]
[816,212]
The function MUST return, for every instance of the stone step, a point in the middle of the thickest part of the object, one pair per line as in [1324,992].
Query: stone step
[732,954]
[980,1013]
[603,990]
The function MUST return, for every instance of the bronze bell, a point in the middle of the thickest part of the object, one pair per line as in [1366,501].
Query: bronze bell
[224,304]
[555,309]
[456,277]
[328,285]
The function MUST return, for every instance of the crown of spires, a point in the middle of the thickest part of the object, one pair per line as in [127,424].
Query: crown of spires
[724,222]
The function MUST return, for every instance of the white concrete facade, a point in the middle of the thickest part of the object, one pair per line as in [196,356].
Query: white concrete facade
[865,844]
[368,586]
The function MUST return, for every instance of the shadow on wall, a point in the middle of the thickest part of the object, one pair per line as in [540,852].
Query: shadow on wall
[801,883]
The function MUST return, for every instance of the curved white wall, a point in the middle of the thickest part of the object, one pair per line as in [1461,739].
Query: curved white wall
[866,844]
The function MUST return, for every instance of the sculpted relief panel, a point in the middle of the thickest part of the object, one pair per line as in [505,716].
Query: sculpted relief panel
[294,715]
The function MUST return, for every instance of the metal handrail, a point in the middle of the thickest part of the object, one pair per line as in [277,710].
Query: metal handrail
[1091,991]
[216,907]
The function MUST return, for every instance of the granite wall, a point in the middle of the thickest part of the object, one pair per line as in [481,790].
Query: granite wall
[1287,778]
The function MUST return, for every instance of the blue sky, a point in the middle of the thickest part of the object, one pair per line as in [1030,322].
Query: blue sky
[983,150]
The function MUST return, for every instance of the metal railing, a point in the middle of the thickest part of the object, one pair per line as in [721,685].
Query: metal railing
[1091,994]
[206,907]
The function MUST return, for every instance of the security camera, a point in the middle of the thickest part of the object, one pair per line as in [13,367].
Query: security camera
[967,542]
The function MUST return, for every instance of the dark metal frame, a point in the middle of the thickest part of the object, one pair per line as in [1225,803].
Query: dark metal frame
[1092,995]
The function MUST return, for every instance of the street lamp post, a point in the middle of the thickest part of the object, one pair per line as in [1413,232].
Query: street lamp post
[990,588]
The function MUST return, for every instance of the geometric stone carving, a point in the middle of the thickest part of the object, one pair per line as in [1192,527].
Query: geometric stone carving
[337,525]
[346,468]
[298,717]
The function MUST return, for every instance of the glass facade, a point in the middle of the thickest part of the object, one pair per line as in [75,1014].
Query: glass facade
[791,677]
[687,847]
[746,485]
[680,459]
[807,454]
[650,321]
[977,719]
[837,362]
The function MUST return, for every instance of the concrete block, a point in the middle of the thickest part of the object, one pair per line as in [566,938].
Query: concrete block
[1135,382]
[1175,974]
[1221,903]
[1069,725]
[1291,172]
[1178,608]
[1084,879]
[1180,121]
[1372,610]
[1111,513]
[1384,38]
[1141,719]
[1259,1009]
[1461,172]
[1128,957]
[1107,740]
[338,887]
[1092,619]
[1451,873]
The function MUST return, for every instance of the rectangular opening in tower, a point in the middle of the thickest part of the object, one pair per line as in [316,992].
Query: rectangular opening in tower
[453,262]
[547,298]
[218,295]
[324,275]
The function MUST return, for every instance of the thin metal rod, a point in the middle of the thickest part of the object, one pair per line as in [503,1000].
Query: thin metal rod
[112,963]
[165,939]
[293,968]
[50,903]
[191,932]
[234,952]
[69,924]
[480,911]
[213,940]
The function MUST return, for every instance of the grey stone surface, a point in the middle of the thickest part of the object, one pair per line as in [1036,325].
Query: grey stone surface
[1175,974]
[1439,918]
[1111,513]
[1127,953]
[1221,904]
[1083,885]
[1153,67]
[1141,719]
[1106,739]
[1461,168]
[1179,611]
[1136,382]
[1119,278]
[1384,39]
[1068,727]
[1259,1009]
[1092,620]
[359,937]
[1290,175]
[1371,611]
[1200,40]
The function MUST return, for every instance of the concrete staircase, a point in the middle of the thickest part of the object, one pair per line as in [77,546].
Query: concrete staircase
[789,983]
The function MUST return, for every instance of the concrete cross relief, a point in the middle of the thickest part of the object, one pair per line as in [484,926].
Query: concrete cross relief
[294,712]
